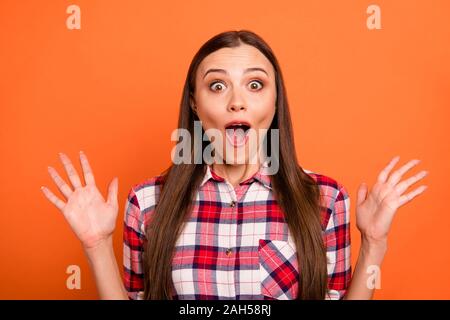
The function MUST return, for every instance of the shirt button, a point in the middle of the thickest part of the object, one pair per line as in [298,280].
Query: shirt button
[233,203]
[229,251]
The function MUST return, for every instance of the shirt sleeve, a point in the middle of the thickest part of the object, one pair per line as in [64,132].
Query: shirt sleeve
[133,247]
[337,239]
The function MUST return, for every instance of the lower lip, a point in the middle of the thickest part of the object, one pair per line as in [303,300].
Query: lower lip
[235,143]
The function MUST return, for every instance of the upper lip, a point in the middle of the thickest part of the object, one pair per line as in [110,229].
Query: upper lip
[238,122]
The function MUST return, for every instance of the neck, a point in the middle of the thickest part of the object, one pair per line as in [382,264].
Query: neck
[235,174]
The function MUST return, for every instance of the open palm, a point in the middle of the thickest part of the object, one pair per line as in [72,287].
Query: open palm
[375,211]
[91,217]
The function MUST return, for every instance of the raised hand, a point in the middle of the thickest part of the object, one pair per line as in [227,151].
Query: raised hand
[91,217]
[375,212]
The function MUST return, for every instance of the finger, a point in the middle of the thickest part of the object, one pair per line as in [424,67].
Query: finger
[112,192]
[408,197]
[385,172]
[53,199]
[397,175]
[71,172]
[62,185]
[404,185]
[362,193]
[87,171]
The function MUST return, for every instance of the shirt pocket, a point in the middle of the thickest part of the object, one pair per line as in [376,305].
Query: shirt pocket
[278,269]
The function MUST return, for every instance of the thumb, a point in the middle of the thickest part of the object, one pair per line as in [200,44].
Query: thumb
[112,192]
[362,193]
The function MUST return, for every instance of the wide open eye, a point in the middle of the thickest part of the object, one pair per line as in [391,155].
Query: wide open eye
[255,83]
[217,86]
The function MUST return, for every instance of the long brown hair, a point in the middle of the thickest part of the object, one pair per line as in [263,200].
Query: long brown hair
[295,191]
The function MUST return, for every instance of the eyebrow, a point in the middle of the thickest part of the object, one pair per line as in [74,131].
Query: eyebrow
[225,72]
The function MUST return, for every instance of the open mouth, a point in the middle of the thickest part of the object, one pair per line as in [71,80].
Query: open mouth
[237,133]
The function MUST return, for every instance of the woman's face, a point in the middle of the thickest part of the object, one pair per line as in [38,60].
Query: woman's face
[235,91]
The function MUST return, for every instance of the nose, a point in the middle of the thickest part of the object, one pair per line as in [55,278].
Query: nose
[237,107]
[236,103]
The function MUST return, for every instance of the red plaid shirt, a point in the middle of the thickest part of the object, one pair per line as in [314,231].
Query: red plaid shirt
[236,243]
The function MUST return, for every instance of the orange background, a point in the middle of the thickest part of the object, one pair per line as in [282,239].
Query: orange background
[112,89]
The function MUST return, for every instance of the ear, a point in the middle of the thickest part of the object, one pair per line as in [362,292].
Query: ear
[192,103]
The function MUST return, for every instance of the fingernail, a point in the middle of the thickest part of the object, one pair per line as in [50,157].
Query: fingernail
[81,152]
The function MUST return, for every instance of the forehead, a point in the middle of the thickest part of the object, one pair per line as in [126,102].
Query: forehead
[235,60]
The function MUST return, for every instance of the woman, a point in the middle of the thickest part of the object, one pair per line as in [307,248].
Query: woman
[229,229]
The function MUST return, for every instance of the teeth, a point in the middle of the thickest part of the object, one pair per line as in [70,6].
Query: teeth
[238,125]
